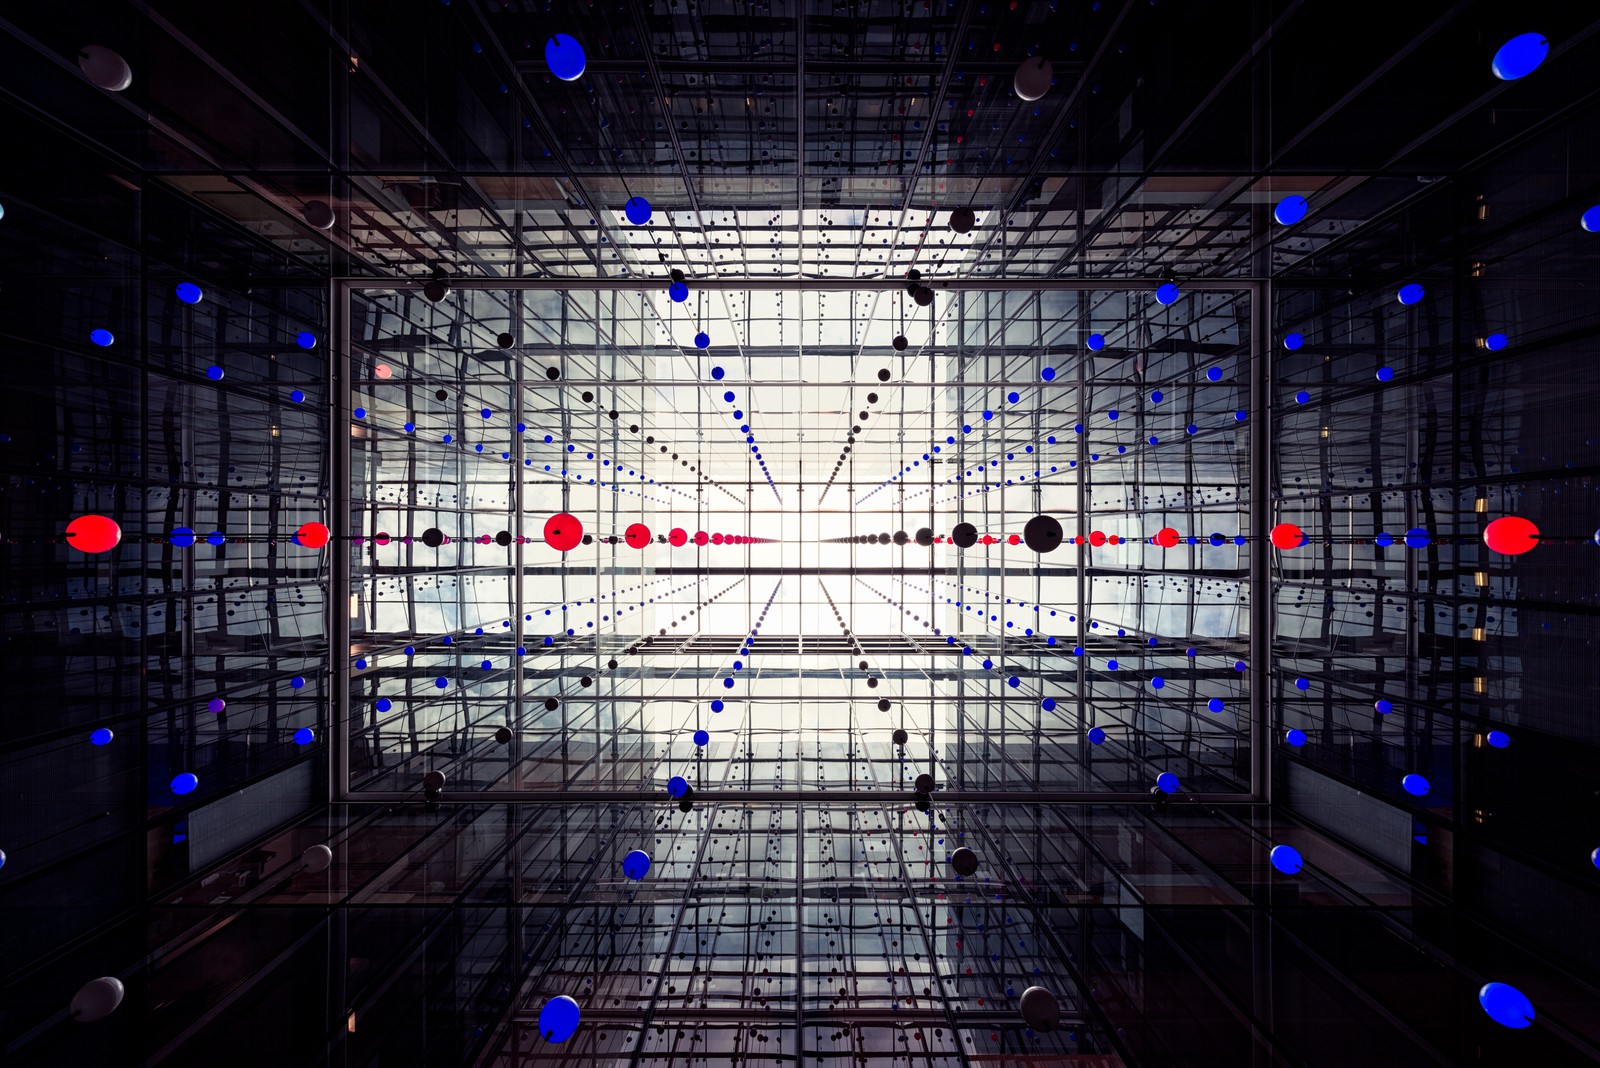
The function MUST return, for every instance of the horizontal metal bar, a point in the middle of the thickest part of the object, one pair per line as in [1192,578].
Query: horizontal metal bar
[843,1014]
[579,795]
[819,285]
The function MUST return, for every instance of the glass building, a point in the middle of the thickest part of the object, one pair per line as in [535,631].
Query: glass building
[694,532]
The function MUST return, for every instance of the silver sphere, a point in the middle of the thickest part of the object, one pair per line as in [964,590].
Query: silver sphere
[105,68]
[1033,78]
[317,858]
[1040,1009]
[97,999]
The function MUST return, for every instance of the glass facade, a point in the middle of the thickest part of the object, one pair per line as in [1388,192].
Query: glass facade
[491,621]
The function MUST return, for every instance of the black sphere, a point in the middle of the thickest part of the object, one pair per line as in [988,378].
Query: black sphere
[900,736]
[965,535]
[552,373]
[551,704]
[962,220]
[677,275]
[925,536]
[435,290]
[901,537]
[1042,534]
[505,341]
[964,861]
[883,374]
[503,538]
[883,705]
[923,296]
[433,537]
[900,343]
[923,784]
[502,735]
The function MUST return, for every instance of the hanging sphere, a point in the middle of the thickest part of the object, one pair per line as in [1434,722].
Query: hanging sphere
[433,782]
[93,534]
[1410,293]
[433,537]
[105,68]
[435,289]
[558,1020]
[96,999]
[1590,219]
[1290,210]
[317,213]
[900,736]
[1520,56]
[1506,1005]
[1511,535]
[924,536]
[1166,293]
[562,532]
[637,535]
[1033,78]
[505,341]
[502,735]
[317,858]
[564,56]
[1040,1009]
[923,296]
[962,220]
[965,535]
[678,291]
[1414,784]
[964,861]
[1287,536]
[677,537]
[1042,534]
[1167,537]
[636,864]
[1167,782]
[312,535]
[923,784]
[702,340]
[637,210]
[1286,858]
[900,343]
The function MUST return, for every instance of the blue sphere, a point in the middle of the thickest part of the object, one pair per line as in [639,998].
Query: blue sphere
[1048,374]
[1385,374]
[565,57]
[304,736]
[677,786]
[1048,704]
[101,736]
[1295,737]
[1417,538]
[1414,784]
[717,373]
[1167,782]
[1410,293]
[185,782]
[1496,341]
[636,864]
[1096,735]
[558,1020]
[214,373]
[1214,374]
[189,293]
[1286,858]
[383,704]
[1166,293]
[1290,210]
[1506,1005]
[717,706]
[1382,707]
[1498,739]
[306,339]
[1520,56]
[1157,682]
[1302,397]
[1302,684]
[1590,220]
[702,340]
[1215,704]
[701,737]
[678,291]
[101,337]
[182,537]
[1383,539]
[637,209]
[297,395]
[1097,342]
[1293,341]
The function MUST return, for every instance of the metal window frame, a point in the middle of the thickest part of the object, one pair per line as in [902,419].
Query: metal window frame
[1258,485]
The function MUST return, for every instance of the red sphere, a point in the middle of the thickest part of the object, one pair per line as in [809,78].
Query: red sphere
[1014,540]
[677,536]
[1287,536]
[1167,537]
[312,535]
[1511,535]
[1096,538]
[563,531]
[701,537]
[637,535]
[1115,539]
[93,533]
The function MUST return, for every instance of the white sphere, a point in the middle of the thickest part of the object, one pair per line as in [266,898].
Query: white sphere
[105,68]
[1040,1009]
[318,214]
[317,858]
[1033,78]
[97,999]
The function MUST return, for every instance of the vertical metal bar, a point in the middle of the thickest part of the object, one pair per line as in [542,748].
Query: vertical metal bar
[1260,488]
[339,372]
